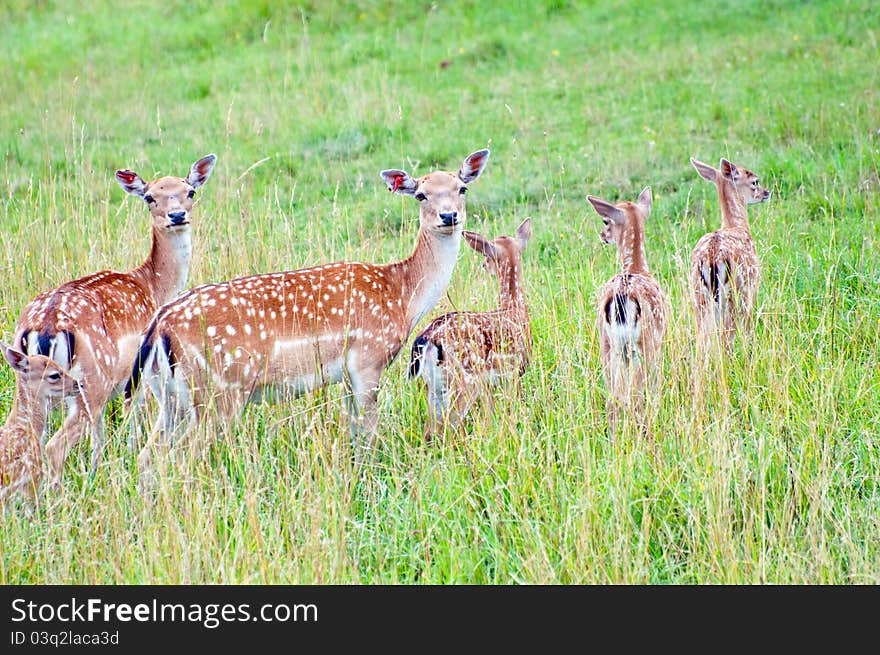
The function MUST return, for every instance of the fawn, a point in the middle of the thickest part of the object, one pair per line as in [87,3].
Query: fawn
[725,270]
[463,354]
[631,308]
[92,326]
[283,334]
[40,381]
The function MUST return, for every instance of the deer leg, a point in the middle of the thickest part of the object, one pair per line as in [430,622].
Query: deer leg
[438,401]
[487,397]
[146,476]
[159,439]
[135,419]
[176,410]
[468,392]
[176,413]
[45,433]
[73,428]
[612,408]
[97,444]
[363,409]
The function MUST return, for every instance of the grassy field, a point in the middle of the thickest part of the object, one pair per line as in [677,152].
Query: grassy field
[770,475]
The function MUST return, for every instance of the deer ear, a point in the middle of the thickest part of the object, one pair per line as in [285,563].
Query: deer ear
[479,243]
[17,360]
[473,166]
[729,170]
[606,209]
[646,200]
[399,181]
[131,183]
[707,172]
[524,233]
[201,171]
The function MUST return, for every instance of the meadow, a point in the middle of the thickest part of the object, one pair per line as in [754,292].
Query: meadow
[765,470]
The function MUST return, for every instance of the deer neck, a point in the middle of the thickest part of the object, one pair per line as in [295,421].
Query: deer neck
[27,413]
[425,274]
[733,208]
[631,251]
[513,299]
[166,269]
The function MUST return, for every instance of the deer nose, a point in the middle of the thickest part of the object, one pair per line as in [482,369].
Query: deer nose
[176,218]
[449,218]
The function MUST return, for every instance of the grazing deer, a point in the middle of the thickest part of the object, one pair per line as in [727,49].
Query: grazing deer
[724,266]
[463,354]
[284,334]
[39,382]
[92,326]
[631,308]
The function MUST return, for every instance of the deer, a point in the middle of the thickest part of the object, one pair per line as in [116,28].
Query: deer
[631,308]
[276,336]
[463,355]
[40,382]
[91,326]
[725,271]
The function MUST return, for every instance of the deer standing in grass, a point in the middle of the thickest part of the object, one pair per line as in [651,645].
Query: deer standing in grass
[283,334]
[92,326]
[631,308]
[39,382]
[725,270]
[462,355]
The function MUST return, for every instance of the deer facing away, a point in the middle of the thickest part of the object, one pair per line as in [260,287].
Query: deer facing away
[40,381]
[282,334]
[92,326]
[461,355]
[631,308]
[725,271]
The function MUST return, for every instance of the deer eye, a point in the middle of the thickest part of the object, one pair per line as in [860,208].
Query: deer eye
[54,376]
[463,190]
[421,196]
[191,194]
[149,199]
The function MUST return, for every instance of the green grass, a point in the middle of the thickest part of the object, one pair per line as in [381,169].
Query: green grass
[770,475]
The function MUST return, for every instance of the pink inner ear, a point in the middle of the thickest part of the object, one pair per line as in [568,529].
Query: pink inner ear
[398,182]
[477,162]
[126,176]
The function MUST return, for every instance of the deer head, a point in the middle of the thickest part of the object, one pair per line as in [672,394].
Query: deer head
[170,199]
[503,254]
[440,194]
[40,377]
[742,181]
[622,217]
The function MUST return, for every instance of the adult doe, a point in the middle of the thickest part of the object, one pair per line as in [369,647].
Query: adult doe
[287,333]
[92,326]
[631,308]
[462,355]
[725,270]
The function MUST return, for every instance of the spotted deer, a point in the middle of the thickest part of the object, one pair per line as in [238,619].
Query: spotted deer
[462,355]
[92,326]
[284,334]
[725,270]
[631,308]
[40,382]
